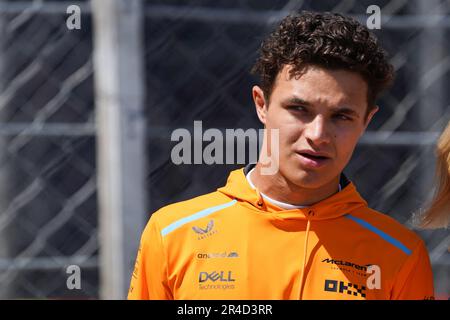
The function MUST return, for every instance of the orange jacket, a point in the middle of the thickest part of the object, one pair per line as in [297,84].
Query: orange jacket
[230,244]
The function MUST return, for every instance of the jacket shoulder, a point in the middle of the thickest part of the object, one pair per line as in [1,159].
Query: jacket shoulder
[389,229]
[171,213]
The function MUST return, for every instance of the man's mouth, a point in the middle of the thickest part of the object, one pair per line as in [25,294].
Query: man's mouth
[313,159]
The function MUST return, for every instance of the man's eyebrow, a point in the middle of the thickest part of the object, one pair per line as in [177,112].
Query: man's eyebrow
[297,100]
[345,110]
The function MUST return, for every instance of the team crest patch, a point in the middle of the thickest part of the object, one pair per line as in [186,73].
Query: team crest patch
[208,231]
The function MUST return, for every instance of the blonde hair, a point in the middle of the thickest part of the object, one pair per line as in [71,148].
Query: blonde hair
[438,213]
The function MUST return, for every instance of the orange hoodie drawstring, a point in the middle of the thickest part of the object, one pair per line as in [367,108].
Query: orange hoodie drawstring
[304,259]
[260,198]
[308,225]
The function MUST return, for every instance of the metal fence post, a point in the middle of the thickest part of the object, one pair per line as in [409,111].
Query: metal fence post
[119,81]
[430,70]
[5,171]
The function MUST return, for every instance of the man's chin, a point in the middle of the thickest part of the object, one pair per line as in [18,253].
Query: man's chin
[306,179]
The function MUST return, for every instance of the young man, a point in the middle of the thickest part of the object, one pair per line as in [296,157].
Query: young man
[303,231]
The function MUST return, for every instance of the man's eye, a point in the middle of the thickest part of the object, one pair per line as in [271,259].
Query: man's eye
[343,117]
[298,108]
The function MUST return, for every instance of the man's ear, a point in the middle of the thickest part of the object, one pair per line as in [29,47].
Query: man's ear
[370,116]
[260,103]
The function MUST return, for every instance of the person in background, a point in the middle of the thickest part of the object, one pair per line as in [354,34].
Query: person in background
[438,213]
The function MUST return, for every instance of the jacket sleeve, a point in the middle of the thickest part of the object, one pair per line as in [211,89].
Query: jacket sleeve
[415,279]
[149,278]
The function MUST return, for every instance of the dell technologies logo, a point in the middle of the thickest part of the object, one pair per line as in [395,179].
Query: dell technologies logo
[214,276]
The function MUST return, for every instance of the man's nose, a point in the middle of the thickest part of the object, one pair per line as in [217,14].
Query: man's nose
[317,131]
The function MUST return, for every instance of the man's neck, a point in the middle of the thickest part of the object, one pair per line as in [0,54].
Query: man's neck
[278,188]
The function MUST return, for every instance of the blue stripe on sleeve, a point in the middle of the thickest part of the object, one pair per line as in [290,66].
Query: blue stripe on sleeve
[383,235]
[177,224]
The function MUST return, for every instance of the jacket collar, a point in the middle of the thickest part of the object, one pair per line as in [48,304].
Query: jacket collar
[339,204]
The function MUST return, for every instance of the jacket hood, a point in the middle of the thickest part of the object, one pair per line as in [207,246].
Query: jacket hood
[339,204]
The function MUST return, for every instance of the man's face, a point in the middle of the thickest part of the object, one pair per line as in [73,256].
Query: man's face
[320,116]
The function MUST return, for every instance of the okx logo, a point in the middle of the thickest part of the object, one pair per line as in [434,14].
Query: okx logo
[345,287]
[215,276]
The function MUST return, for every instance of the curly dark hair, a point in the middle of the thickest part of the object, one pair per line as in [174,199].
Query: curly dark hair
[328,40]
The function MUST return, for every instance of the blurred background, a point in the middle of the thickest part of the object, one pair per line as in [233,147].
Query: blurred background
[86,117]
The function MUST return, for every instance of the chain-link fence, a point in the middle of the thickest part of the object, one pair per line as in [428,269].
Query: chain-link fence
[48,204]
[197,57]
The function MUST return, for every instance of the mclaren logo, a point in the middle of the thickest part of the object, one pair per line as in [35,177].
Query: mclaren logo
[206,232]
[346,264]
